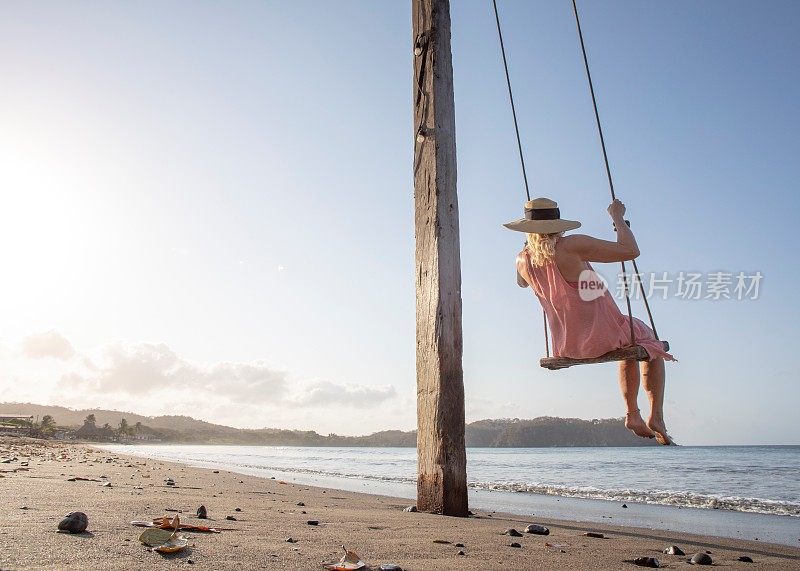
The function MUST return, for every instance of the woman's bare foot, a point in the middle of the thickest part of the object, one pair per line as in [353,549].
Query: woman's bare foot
[635,423]
[660,430]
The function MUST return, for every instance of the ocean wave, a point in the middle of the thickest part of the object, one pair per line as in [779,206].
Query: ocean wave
[659,497]
[324,473]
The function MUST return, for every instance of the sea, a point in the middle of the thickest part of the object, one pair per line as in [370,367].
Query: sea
[743,492]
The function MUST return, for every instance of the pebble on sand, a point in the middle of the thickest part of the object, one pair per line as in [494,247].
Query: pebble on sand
[512,532]
[202,513]
[701,559]
[674,550]
[313,522]
[745,559]
[74,522]
[537,529]
[594,534]
[230,518]
[515,545]
[647,562]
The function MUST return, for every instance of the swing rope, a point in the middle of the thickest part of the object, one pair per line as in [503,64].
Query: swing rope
[519,142]
[511,99]
[637,275]
[605,159]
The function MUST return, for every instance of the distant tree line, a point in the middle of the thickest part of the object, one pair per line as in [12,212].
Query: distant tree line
[498,433]
[48,428]
[503,433]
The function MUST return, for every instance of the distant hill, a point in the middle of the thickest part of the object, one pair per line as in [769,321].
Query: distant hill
[502,433]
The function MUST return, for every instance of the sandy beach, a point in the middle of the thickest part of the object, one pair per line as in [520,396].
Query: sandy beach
[36,492]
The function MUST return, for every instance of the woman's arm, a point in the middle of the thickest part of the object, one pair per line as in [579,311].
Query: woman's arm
[595,250]
[521,279]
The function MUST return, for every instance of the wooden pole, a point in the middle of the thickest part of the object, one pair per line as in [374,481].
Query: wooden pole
[441,454]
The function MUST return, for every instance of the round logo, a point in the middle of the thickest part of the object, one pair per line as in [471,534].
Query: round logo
[591,285]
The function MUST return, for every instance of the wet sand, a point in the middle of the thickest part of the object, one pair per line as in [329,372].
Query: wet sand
[34,497]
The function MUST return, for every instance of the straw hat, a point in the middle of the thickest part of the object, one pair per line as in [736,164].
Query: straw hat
[542,216]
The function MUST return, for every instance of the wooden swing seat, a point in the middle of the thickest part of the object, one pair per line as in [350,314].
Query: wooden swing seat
[635,352]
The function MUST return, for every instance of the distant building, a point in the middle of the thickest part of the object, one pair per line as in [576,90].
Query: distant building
[18,424]
[94,433]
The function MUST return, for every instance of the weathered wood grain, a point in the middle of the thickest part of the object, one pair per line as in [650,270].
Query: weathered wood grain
[441,453]
[635,352]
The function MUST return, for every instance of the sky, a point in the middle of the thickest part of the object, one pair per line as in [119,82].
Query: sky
[207,208]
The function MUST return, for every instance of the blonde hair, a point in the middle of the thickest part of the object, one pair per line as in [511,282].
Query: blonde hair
[542,247]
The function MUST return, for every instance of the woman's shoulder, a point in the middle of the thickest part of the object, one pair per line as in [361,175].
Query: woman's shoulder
[571,240]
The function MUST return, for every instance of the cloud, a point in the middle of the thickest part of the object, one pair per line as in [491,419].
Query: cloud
[146,368]
[143,370]
[245,382]
[478,408]
[48,344]
[153,379]
[326,393]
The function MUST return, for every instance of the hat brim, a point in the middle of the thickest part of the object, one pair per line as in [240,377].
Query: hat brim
[542,226]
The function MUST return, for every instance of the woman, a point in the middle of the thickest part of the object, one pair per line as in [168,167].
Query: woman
[585,322]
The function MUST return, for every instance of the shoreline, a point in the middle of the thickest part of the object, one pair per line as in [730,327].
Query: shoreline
[35,499]
[721,522]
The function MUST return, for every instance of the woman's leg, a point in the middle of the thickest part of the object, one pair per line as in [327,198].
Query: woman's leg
[653,378]
[629,385]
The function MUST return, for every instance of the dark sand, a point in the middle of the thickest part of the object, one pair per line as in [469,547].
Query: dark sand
[35,497]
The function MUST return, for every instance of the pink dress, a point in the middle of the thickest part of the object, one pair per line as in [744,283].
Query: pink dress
[583,329]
